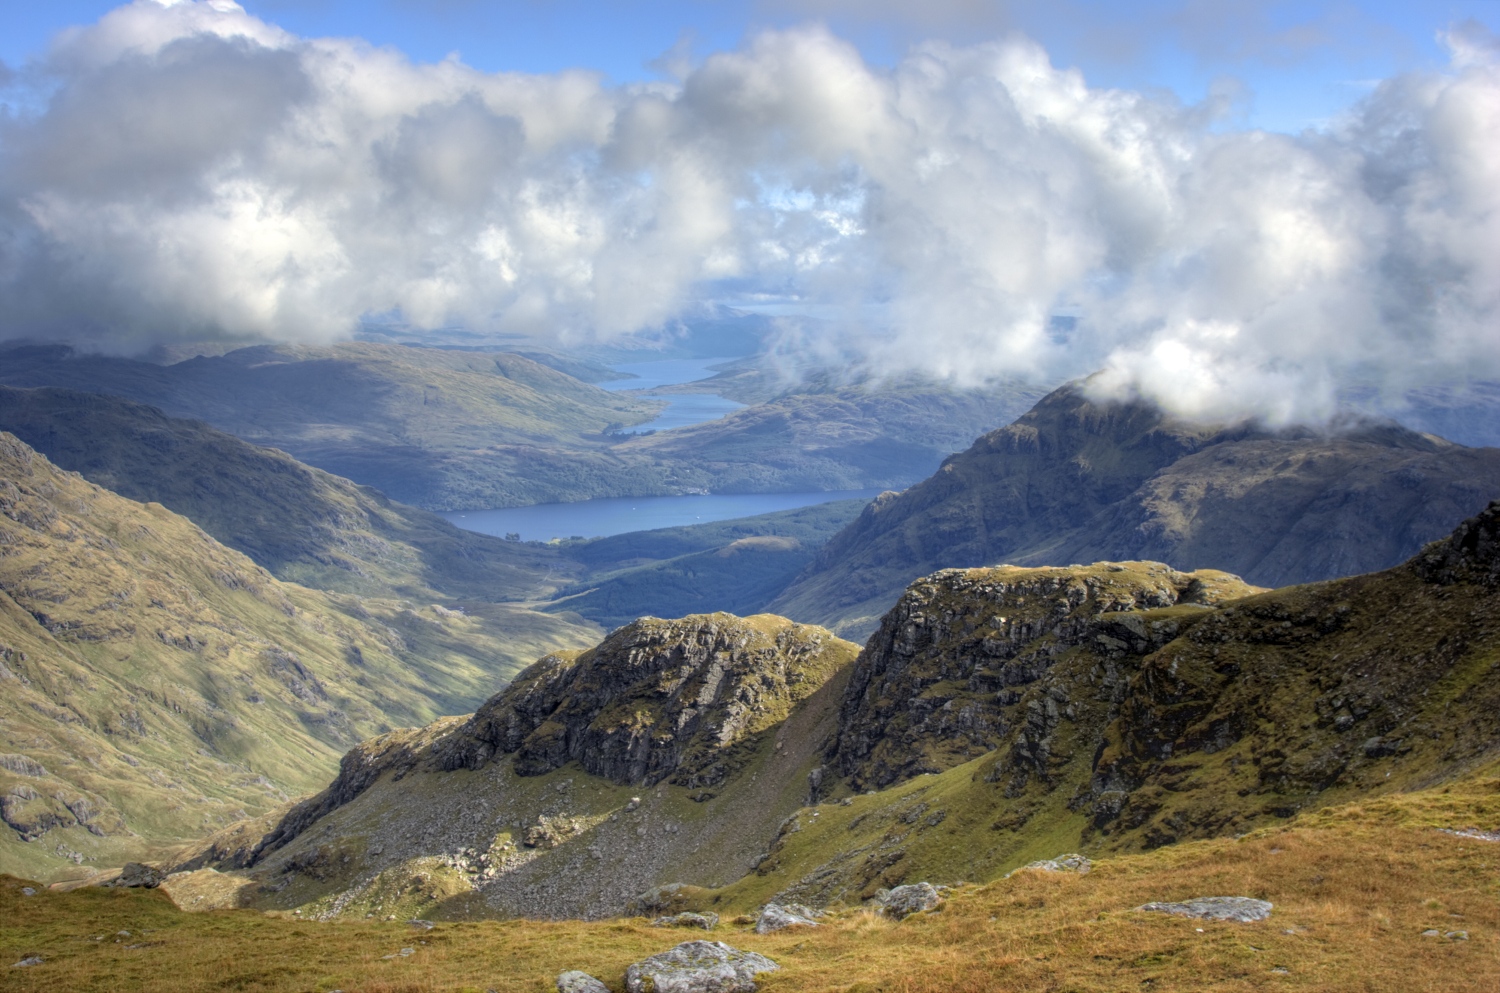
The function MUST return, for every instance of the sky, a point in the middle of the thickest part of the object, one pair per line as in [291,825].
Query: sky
[1243,207]
[1300,63]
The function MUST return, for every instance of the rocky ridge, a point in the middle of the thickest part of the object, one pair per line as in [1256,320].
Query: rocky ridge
[736,709]
[955,665]
[1000,716]
[1161,725]
[655,700]
[1079,480]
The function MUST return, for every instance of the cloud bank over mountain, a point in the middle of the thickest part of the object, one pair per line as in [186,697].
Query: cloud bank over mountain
[184,170]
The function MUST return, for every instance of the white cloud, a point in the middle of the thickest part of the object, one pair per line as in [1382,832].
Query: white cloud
[194,171]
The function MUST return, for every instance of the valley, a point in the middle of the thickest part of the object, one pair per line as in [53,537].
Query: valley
[695,497]
[381,716]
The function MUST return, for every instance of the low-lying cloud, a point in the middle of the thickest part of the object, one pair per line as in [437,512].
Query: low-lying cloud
[180,171]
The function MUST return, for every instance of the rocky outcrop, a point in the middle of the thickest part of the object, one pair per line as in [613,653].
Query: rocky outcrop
[397,752]
[1073,862]
[1470,554]
[656,700]
[913,898]
[706,921]
[948,674]
[775,917]
[1242,909]
[574,981]
[137,875]
[698,967]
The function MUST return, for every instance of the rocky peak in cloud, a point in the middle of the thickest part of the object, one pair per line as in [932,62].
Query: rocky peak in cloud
[187,170]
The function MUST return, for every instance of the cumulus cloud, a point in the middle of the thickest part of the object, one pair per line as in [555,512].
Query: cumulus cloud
[182,169]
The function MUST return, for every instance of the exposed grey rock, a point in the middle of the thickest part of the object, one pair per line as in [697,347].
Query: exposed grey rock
[574,981]
[775,917]
[707,921]
[28,960]
[1457,935]
[136,874]
[714,676]
[910,899]
[1474,833]
[698,967]
[1072,862]
[1216,908]
[1432,932]
[27,891]
[424,925]
[654,900]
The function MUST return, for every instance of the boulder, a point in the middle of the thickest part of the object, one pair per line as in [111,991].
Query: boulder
[707,921]
[775,917]
[574,981]
[669,898]
[1216,908]
[1072,862]
[137,874]
[910,899]
[698,967]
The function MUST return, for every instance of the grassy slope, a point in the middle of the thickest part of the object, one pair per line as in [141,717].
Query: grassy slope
[168,685]
[301,523]
[1075,481]
[1354,887]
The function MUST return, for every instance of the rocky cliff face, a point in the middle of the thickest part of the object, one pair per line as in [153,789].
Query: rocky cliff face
[695,738]
[1009,712]
[1078,481]
[950,672]
[656,700]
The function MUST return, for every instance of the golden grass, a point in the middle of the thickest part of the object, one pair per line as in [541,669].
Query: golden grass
[1354,889]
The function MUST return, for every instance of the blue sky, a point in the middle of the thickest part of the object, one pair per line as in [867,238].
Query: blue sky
[1295,64]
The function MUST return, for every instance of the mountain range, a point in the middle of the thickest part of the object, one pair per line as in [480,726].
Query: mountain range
[1077,480]
[998,716]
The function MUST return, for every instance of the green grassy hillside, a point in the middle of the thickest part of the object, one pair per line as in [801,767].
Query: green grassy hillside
[301,523]
[158,685]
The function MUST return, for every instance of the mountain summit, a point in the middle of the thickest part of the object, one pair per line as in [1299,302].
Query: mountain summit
[1080,480]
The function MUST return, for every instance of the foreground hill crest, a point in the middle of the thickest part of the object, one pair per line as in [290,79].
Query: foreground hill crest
[1000,715]
[656,699]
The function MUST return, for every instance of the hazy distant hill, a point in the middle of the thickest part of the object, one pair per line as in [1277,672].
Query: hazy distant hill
[821,436]
[301,523]
[431,427]
[155,684]
[454,429]
[1079,481]
[736,566]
